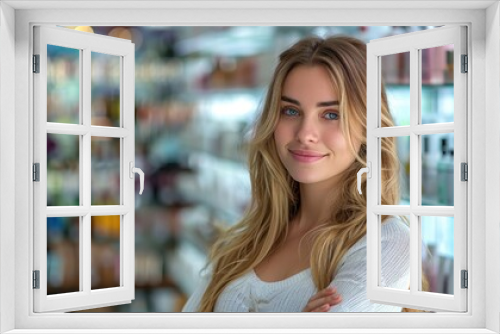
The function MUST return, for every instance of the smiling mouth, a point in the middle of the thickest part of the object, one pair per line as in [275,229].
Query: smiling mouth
[306,156]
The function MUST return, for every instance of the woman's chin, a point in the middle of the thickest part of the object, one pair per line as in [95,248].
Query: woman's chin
[306,179]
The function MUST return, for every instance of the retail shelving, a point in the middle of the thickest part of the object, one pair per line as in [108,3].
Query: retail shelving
[197,97]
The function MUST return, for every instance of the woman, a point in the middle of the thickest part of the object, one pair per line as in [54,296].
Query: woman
[301,246]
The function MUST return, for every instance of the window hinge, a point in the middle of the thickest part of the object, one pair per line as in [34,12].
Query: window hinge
[36,172]
[465,64]
[465,279]
[36,279]
[465,171]
[36,63]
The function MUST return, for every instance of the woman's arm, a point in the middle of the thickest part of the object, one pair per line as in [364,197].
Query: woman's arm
[350,280]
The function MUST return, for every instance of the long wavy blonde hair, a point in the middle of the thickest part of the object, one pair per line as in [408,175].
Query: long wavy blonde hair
[275,195]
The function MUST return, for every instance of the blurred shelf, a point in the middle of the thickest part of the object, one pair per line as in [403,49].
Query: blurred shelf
[220,213]
[235,162]
[197,240]
[167,282]
[236,41]
[185,267]
[162,79]
[226,92]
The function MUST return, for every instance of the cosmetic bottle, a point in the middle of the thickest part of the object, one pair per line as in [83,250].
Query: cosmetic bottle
[449,67]
[449,178]
[442,180]
[428,173]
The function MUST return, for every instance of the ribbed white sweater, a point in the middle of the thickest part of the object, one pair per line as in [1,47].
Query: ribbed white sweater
[250,294]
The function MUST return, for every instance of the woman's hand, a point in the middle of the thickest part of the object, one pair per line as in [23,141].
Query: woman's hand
[323,300]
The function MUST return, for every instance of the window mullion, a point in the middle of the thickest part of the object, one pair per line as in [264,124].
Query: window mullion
[85,248]
[123,164]
[414,170]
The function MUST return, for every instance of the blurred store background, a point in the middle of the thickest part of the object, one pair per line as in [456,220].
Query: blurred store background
[198,91]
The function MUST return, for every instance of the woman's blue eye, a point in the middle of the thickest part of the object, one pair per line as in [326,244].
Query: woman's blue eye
[331,116]
[289,111]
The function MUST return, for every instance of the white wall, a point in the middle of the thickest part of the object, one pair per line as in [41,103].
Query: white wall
[7,161]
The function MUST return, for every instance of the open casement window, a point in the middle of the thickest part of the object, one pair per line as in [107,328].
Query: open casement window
[437,201]
[84,170]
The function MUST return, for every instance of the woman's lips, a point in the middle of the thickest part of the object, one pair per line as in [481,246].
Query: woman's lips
[306,156]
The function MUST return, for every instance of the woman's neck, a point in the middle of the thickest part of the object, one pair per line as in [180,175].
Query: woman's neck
[316,202]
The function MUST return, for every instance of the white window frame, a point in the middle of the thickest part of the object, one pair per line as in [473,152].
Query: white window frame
[482,19]
[413,43]
[124,52]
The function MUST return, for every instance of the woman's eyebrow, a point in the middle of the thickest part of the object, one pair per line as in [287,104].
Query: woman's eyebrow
[320,104]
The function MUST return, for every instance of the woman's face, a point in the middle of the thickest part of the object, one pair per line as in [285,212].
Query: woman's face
[308,135]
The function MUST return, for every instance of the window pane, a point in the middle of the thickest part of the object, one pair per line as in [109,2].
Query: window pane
[63,84]
[437,169]
[105,89]
[390,168]
[105,155]
[395,72]
[63,255]
[105,231]
[438,253]
[437,85]
[63,170]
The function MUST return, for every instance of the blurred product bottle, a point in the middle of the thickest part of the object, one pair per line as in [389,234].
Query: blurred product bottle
[218,76]
[449,177]
[439,65]
[441,173]
[449,67]
[429,172]
[445,175]
[223,73]
[425,66]
[55,272]
[389,70]
[403,68]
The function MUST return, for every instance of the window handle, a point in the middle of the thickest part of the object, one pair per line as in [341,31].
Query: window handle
[367,170]
[133,170]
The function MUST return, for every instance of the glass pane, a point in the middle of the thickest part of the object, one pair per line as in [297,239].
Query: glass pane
[437,253]
[63,255]
[105,89]
[63,84]
[389,167]
[395,71]
[387,260]
[437,85]
[63,170]
[105,233]
[105,155]
[437,169]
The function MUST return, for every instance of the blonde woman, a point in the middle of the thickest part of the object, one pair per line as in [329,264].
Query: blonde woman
[301,246]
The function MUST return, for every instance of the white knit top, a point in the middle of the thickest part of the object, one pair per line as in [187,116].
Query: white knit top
[250,294]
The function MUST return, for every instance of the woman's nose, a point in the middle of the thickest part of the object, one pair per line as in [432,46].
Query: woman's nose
[307,131]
